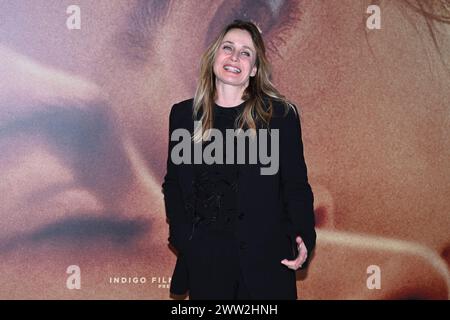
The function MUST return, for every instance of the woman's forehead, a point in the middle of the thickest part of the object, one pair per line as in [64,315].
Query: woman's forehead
[239,37]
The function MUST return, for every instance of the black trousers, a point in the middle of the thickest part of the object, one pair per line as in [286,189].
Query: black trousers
[214,269]
[233,290]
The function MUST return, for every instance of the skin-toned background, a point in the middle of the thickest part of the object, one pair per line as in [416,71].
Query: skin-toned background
[83,140]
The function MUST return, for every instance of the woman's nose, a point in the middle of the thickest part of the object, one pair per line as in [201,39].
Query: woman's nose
[235,55]
[27,85]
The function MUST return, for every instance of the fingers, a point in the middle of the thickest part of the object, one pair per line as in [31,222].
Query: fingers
[303,254]
[297,263]
[293,264]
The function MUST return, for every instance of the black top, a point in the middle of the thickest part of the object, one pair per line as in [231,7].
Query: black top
[216,185]
[273,210]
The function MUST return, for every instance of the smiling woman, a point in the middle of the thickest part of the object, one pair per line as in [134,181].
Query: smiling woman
[234,70]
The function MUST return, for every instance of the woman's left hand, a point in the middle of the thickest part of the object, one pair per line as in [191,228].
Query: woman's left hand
[302,255]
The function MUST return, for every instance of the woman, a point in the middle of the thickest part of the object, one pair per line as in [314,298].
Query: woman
[239,234]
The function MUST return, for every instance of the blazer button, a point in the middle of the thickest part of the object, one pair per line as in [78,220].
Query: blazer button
[241,215]
[243,245]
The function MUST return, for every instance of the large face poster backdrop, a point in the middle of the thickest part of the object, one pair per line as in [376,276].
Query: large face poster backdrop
[85,93]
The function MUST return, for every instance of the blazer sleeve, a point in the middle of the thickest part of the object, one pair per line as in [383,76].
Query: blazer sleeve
[297,195]
[179,225]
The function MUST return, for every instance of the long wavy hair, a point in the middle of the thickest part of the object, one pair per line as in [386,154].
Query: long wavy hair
[256,112]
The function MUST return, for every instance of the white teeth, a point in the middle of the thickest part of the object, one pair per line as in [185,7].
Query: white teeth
[232,69]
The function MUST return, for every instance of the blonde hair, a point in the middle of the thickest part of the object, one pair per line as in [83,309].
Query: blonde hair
[253,114]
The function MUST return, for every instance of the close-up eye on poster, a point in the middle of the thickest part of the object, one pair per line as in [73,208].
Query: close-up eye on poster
[252,150]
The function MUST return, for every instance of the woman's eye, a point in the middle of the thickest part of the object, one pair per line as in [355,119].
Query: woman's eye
[227,48]
[274,18]
[246,54]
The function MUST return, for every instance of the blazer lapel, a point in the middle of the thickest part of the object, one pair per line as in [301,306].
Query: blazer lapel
[186,174]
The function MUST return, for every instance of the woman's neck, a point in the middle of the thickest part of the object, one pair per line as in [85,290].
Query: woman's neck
[229,96]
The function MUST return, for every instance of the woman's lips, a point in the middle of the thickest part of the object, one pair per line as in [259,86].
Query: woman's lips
[42,200]
[232,69]
[38,189]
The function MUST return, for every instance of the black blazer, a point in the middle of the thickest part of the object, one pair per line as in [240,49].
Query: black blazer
[273,209]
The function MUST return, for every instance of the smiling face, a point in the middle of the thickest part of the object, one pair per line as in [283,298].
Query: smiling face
[235,59]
